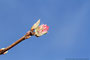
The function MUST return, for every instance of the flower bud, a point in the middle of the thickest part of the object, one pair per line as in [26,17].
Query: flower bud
[41,30]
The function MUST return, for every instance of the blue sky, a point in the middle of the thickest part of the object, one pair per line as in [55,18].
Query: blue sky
[68,36]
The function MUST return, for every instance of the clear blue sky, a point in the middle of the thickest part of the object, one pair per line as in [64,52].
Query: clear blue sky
[68,36]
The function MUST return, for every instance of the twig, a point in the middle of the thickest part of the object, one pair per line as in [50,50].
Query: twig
[26,36]
[39,31]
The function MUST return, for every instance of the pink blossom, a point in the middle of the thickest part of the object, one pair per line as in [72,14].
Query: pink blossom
[41,30]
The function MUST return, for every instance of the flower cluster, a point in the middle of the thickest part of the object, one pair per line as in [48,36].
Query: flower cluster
[40,30]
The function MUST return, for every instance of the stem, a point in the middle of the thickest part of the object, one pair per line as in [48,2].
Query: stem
[15,43]
[26,36]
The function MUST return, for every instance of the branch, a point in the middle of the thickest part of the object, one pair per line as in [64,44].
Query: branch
[39,31]
[26,36]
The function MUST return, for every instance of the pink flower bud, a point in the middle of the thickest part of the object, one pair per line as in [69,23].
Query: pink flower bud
[41,30]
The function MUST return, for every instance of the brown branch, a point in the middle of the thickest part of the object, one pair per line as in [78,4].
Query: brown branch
[26,36]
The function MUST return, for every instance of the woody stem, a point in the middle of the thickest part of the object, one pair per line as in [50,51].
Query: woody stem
[28,35]
[15,43]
